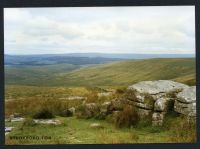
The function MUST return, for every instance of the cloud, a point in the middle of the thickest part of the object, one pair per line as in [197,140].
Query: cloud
[103,29]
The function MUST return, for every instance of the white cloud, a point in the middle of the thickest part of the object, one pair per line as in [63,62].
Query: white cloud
[103,29]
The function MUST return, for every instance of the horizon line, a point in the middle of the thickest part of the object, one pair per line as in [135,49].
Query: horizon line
[106,53]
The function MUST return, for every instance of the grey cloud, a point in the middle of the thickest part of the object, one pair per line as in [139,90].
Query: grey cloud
[116,29]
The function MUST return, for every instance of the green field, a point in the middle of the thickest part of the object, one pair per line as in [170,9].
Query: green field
[31,89]
[78,131]
[122,73]
[30,99]
[35,75]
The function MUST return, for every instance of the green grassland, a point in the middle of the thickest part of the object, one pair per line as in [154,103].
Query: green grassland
[29,89]
[129,72]
[78,131]
[35,75]
[29,99]
[121,73]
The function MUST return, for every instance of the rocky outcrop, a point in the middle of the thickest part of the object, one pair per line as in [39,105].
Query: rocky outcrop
[105,108]
[88,110]
[68,112]
[117,104]
[157,87]
[144,113]
[72,110]
[96,125]
[73,98]
[16,117]
[185,102]
[152,98]
[162,104]
[49,122]
[104,94]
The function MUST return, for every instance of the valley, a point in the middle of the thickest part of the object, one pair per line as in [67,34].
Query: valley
[44,90]
[112,72]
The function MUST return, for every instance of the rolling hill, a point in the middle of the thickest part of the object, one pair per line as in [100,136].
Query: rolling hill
[52,59]
[120,73]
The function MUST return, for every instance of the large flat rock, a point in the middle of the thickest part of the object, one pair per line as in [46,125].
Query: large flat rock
[185,102]
[188,95]
[156,87]
[49,121]
[185,109]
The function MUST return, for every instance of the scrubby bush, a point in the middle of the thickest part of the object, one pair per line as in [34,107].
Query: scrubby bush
[127,117]
[32,105]
[54,106]
[66,113]
[43,113]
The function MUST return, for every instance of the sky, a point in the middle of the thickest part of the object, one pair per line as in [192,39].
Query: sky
[142,30]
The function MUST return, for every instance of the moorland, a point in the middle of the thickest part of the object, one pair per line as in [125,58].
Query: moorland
[43,83]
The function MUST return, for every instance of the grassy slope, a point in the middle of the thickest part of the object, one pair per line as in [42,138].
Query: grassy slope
[77,131]
[113,74]
[128,72]
[36,75]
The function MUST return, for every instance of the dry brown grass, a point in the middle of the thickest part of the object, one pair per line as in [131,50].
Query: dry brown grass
[127,117]
[30,106]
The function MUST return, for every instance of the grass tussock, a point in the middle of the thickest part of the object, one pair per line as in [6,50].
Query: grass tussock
[86,112]
[43,113]
[33,105]
[126,118]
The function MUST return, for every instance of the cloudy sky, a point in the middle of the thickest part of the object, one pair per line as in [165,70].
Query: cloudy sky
[155,30]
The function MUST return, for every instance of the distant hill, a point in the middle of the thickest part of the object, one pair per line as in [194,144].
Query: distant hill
[129,72]
[130,55]
[82,58]
[120,73]
[39,60]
